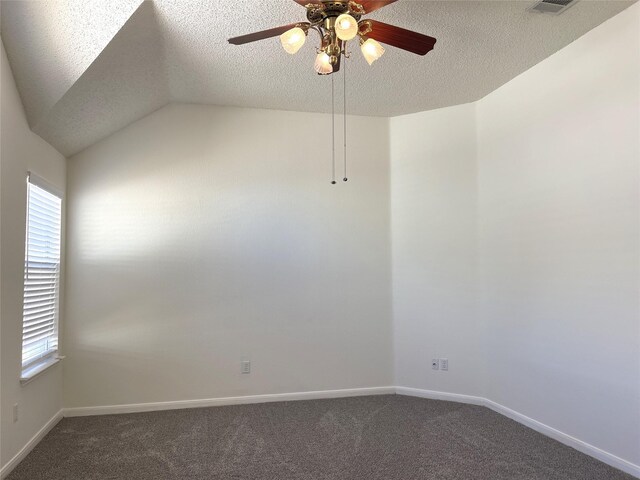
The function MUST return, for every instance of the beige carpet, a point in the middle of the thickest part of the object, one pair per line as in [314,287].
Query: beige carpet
[367,438]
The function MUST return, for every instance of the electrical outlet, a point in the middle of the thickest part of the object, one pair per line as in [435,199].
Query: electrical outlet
[444,364]
[245,367]
[15,413]
[435,364]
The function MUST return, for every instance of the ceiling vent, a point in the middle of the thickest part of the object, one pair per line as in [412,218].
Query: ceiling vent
[554,7]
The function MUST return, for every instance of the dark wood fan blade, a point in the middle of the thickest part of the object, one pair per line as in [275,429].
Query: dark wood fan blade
[401,38]
[273,32]
[373,5]
[304,3]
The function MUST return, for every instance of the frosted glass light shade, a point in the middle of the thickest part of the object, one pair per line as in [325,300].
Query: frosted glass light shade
[346,27]
[293,40]
[323,64]
[372,50]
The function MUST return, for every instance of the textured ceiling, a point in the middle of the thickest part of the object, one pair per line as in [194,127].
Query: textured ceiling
[53,42]
[87,68]
[124,83]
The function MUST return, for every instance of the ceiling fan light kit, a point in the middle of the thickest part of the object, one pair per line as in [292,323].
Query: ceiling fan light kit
[371,50]
[293,40]
[338,22]
[346,27]
[323,65]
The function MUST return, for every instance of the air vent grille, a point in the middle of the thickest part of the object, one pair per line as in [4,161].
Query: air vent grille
[555,7]
[563,3]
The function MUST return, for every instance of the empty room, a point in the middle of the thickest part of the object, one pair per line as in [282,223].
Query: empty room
[320,240]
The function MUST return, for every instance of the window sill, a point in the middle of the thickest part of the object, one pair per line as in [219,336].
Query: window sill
[37,369]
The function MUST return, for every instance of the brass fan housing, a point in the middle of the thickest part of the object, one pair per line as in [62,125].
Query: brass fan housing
[322,17]
[318,13]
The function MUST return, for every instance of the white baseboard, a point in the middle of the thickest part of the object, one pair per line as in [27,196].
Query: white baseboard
[586,448]
[435,395]
[11,464]
[217,402]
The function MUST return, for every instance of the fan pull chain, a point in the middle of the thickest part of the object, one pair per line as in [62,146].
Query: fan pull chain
[344,111]
[333,134]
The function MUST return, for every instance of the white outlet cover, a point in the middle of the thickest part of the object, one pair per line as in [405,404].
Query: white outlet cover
[444,364]
[245,367]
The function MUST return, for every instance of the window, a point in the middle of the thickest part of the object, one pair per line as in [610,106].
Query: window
[41,276]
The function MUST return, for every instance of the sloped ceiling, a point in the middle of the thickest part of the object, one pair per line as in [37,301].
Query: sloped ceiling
[88,68]
[52,43]
[125,82]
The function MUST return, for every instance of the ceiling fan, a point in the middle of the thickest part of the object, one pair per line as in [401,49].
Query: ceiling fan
[337,22]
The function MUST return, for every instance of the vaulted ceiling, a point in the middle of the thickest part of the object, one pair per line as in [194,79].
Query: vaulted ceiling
[86,68]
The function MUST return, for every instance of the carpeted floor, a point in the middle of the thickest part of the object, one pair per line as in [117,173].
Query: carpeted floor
[367,438]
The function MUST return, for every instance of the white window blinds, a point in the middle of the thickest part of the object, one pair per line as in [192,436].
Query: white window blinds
[41,272]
